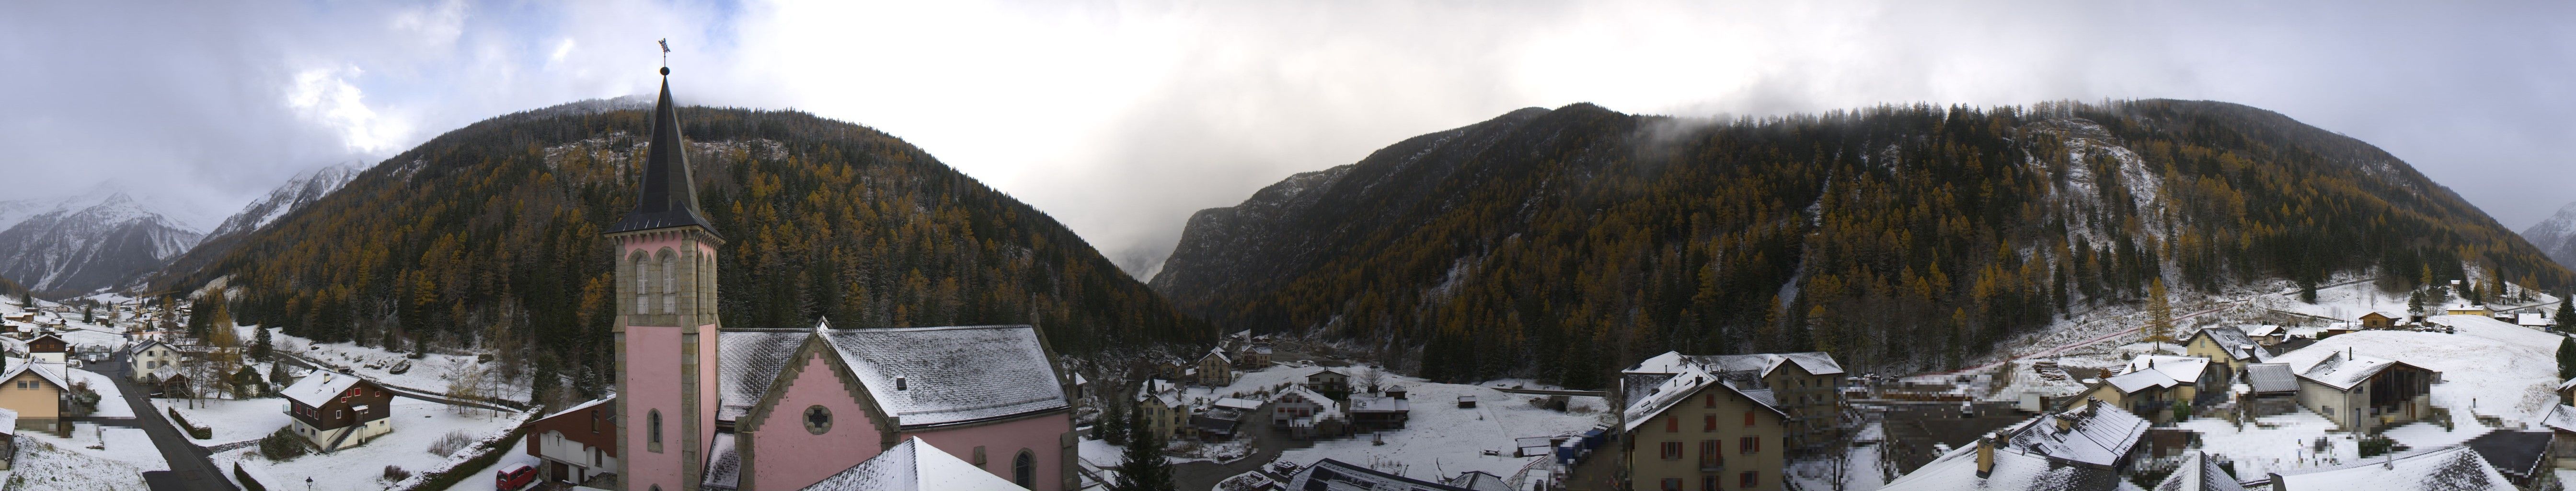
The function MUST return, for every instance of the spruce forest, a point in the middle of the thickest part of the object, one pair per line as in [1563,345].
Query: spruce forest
[489,237]
[1561,244]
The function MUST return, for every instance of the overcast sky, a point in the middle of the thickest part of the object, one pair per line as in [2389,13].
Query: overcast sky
[1122,118]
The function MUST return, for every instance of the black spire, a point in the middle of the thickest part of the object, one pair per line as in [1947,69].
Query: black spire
[670,198]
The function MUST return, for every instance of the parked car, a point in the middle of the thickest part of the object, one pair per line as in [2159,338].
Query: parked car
[515,477]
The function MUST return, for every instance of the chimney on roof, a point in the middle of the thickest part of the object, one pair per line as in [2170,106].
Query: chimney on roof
[1986,456]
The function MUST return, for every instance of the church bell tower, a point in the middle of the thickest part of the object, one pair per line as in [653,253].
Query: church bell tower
[666,319]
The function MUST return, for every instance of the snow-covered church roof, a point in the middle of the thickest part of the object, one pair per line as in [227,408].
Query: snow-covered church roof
[922,375]
[914,465]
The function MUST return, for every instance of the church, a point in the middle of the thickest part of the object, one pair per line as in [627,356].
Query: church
[703,406]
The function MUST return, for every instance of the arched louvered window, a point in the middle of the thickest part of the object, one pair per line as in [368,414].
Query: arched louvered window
[670,283]
[643,283]
[1024,469]
[653,425]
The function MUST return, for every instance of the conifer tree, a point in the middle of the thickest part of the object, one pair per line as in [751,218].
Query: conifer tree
[1145,469]
[2566,358]
[261,345]
[2566,313]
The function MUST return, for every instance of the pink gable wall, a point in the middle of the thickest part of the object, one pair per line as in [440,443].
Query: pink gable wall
[788,457]
[1041,435]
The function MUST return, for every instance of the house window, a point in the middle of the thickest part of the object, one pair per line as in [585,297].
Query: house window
[1024,469]
[1747,479]
[1672,450]
[1748,418]
[1749,444]
[1708,483]
[1710,402]
[594,421]
[1709,454]
[338,414]
[1708,422]
[1672,484]
[979,456]
[1672,425]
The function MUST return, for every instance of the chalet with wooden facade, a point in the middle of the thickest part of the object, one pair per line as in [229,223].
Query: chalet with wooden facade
[577,445]
[48,348]
[2366,393]
[336,410]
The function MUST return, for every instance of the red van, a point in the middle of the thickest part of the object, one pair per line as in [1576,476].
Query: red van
[515,477]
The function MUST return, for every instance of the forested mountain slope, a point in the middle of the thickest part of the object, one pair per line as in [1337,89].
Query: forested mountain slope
[489,235]
[1557,243]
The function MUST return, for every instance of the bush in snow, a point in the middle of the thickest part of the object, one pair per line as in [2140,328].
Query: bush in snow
[447,445]
[283,445]
[396,473]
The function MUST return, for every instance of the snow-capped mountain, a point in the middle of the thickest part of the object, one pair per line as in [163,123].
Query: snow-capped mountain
[293,195]
[2556,236]
[87,242]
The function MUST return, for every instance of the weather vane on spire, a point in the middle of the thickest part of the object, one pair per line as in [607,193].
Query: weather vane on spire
[666,55]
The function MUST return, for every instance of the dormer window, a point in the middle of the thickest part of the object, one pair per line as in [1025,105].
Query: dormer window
[898,383]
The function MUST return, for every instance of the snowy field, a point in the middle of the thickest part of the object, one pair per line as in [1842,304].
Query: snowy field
[232,420]
[416,423]
[429,374]
[52,464]
[2490,368]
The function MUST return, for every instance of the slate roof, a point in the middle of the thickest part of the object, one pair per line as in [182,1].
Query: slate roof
[2015,470]
[669,197]
[2561,417]
[313,390]
[2443,469]
[2199,473]
[2272,377]
[747,361]
[724,465]
[2094,434]
[952,374]
[914,465]
[2513,452]
[2232,340]
[2343,372]
[1335,475]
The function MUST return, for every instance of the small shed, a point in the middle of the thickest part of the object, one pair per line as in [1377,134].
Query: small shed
[1395,391]
[1466,402]
[1533,446]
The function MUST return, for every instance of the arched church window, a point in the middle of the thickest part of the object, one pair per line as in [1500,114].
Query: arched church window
[643,283]
[1024,469]
[653,425]
[670,283]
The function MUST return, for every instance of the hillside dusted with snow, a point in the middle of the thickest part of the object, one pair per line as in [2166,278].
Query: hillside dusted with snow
[1555,243]
[2556,236]
[87,242]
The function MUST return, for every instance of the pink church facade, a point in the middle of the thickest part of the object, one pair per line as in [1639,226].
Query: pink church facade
[706,407]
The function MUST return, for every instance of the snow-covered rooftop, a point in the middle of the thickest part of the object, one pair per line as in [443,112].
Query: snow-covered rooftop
[2094,434]
[2235,341]
[1161,391]
[1816,363]
[1335,475]
[1239,404]
[2341,372]
[1645,403]
[914,465]
[952,374]
[2132,382]
[2443,469]
[747,362]
[2199,473]
[2014,470]
[724,464]
[577,407]
[2261,330]
[2182,369]
[2561,417]
[318,388]
[1378,404]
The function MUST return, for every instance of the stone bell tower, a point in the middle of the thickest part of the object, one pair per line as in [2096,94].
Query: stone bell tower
[666,323]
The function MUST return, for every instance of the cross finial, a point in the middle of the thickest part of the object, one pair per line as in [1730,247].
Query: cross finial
[666,55]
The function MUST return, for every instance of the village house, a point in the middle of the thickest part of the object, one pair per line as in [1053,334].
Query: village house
[1173,368]
[2455,468]
[2227,348]
[702,407]
[576,445]
[144,358]
[48,348]
[1158,404]
[1699,429]
[2379,321]
[2365,393]
[1306,414]
[1380,413]
[2150,385]
[35,394]
[335,410]
[1328,381]
[2085,448]
[914,465]
[1804,385]
[2522,456]
[2272,380]
[1251,357]
[2561,422]
[2466,308]
[1215,369]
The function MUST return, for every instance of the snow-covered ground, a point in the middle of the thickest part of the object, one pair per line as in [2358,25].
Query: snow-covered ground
[111,401]
[2489,368]
[232,420]
[416,423]
[482,478]
[53,464]
[128,445]
[2274,443]
[431,373]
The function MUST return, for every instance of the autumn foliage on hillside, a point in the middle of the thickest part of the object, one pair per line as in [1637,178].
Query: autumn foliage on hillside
[489,236]
[1561,244]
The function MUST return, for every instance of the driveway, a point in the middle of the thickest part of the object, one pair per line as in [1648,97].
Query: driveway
[1266,445]
[190,467]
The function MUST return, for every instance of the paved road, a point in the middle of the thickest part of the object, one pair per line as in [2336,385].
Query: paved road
[190,467]
[1579,393]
